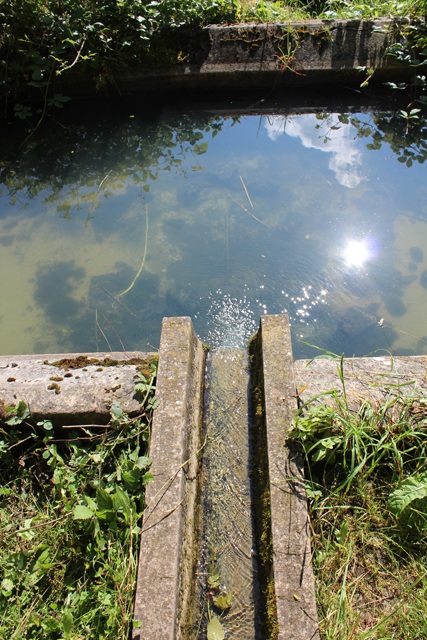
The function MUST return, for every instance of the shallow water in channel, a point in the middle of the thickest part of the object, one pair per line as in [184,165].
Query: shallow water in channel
[227,557]
[114,224]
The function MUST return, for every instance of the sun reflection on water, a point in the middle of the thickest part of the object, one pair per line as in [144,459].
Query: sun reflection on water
[357,253]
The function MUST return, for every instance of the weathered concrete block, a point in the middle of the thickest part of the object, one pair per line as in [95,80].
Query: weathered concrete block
[73,388]
[163,602]
[290,536]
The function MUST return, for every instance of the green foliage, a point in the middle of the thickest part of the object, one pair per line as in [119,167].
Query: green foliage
[71,505]
[215,630]
[366,484]
[42,41]
[27,172]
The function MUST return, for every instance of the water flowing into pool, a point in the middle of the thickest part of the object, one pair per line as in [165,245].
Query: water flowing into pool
[228,586]
[120,221]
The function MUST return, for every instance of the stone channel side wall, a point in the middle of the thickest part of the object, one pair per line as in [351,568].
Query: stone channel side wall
[247,56]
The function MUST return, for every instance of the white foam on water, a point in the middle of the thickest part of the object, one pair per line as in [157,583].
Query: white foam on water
[230,321]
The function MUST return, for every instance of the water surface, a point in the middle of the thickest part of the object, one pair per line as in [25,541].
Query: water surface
[111,225]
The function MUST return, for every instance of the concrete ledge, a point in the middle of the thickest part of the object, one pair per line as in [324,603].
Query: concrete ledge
[248,56]
[73,388]
[291,551]
[164,594]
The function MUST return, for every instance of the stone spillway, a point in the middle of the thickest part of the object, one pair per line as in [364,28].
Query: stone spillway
[225,542]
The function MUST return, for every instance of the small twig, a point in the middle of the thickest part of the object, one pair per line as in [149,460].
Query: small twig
[116,334]
[249,213]
[247,194]
[102,333]
[166,515]
[70,66]
[116,299]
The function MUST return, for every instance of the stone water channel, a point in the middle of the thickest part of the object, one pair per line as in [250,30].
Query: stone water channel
[226,533]
[227,501]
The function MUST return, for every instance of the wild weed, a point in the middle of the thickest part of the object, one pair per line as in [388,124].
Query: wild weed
[367,488]
[70,510]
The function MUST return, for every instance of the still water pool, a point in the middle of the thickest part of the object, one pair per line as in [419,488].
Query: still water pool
[106,228]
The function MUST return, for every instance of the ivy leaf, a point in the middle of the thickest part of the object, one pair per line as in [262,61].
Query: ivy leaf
[214,581]
[200,148]
[143,462]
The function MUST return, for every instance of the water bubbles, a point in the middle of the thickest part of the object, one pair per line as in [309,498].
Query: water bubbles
[230,321]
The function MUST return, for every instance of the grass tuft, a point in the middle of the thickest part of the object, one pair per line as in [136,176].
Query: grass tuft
[366,482]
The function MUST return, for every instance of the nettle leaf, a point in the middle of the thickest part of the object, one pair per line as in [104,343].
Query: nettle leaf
[122,502]
[215,629]
[67,623]
[82,513]
[104,500]
[413,488]
[143,462]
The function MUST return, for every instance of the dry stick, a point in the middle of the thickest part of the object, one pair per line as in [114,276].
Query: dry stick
[102,333]
[116,299]
[143,258]
[247,194]
[43,111]
[116,334]
[8,534]
[249,213]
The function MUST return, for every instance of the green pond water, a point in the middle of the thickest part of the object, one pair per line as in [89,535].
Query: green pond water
[106,226]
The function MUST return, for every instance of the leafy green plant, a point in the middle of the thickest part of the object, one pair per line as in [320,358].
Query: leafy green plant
[71,506]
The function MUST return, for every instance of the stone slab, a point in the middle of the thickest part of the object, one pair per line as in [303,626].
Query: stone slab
[73,388]
[293,574]
[375,379]
[166,582]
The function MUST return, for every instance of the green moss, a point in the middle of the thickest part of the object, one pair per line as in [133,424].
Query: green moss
[143,365]
[261,493]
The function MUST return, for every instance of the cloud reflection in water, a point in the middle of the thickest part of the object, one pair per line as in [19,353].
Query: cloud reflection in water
[346,157]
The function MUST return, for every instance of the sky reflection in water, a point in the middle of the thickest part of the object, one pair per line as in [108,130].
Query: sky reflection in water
[270,214]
